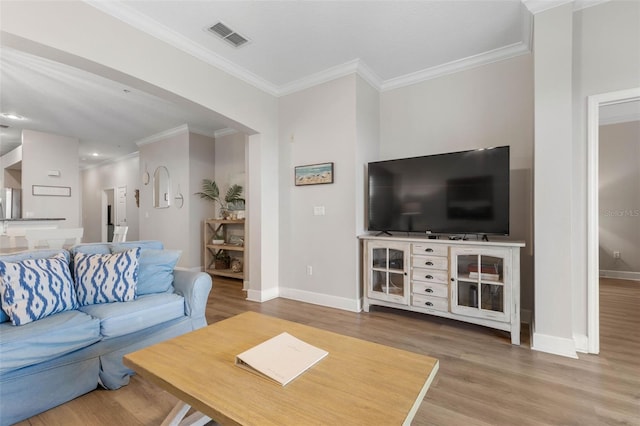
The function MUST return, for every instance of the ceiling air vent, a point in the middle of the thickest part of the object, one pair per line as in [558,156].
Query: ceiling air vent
[227,34]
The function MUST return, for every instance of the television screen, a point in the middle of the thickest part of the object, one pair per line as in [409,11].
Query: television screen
[456,193]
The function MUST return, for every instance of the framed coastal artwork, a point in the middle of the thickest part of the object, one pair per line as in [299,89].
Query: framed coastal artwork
[314,174]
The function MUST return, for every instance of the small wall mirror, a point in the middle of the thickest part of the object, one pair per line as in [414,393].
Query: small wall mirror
[161,185]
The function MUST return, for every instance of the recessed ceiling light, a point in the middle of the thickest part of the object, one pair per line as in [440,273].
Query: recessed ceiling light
[12,116]
[95,154]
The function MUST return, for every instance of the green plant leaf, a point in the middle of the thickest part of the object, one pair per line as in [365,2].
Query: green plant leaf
[210,191]
[234,194]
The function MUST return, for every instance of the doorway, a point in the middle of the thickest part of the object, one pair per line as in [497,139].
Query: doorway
[114,211]
[108,212]
[594,104]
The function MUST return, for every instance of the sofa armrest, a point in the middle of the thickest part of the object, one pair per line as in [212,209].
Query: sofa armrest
[195,288]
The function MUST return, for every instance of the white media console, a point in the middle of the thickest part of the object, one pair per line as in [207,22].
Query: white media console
[471,281]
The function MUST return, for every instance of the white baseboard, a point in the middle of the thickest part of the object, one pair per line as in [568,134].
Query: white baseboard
[621,275]
[263,295]
[554,345]
[353,305]
[582,343]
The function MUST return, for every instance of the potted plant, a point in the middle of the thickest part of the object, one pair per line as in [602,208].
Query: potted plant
[218,238]
[221,260]
[232,199]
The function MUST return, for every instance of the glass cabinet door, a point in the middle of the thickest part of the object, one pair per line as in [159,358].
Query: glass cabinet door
[387,273]
[478,283]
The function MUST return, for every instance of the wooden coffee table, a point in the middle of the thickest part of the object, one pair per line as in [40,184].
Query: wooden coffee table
[359,382]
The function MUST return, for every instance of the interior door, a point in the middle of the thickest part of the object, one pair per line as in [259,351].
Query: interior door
[121,206]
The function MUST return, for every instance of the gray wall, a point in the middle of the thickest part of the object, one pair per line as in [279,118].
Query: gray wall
[491,105]
[124,172]
[620,198]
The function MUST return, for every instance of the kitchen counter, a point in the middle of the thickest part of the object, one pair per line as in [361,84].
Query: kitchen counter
[13,230]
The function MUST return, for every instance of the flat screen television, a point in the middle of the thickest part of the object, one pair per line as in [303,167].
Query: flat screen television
[456,193]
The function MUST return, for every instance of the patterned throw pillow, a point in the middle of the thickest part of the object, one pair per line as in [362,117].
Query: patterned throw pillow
[104,278]
[35,288]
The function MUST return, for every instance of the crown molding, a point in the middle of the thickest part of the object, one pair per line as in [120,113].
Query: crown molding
[111,161]
[163,135]
[355,66]
[491,56]
[132,17]
[583,4]
[537,6]
[224,132]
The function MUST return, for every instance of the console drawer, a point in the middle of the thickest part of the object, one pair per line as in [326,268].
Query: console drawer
[430,289]
[430,262]
[430,275]
[430,249]
[430,302]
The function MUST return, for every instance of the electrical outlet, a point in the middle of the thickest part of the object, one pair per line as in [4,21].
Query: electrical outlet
[616,255]
[309,270]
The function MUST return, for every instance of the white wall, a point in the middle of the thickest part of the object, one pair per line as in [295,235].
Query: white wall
[201,166]
[552,181]
[619,179]
[42,152]
[11,164]
[186,156]
[79,35]
[318,125]
[124,172]
[230,161]
[491,105]
[606,58]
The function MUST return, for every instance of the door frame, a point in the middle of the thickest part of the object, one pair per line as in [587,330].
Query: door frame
[594,103]
[103,212]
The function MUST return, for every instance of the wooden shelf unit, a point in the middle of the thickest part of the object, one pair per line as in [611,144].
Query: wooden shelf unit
[228,227]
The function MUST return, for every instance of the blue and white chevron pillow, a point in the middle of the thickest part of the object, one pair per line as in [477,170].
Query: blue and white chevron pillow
[35,288]
[104,278]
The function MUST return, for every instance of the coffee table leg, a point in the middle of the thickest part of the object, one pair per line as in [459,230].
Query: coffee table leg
[176,417]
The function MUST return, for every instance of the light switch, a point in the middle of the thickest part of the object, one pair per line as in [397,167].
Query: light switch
[318,210]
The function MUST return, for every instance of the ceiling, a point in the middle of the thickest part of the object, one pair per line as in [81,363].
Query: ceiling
[292,45]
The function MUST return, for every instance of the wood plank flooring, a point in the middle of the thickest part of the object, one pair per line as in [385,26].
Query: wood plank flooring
[483,379]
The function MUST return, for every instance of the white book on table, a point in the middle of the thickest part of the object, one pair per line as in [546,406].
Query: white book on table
[281,358]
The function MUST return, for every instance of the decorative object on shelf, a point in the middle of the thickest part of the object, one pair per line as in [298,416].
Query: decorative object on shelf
[232,200]
[314,174]
[223,240]
[236,265]
[136,194]
[221,260]
[236,240]
[218,238]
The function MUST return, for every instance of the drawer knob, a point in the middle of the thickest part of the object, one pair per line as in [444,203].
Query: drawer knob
[429,277]
[428,303]
[429,263]
[429,290]
[453,279]
[429,250]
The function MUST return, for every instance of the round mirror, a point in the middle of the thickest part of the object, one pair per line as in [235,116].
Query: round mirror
[161,185]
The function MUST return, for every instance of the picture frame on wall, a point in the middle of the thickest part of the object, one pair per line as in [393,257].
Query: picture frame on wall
[51,191]
[314,174]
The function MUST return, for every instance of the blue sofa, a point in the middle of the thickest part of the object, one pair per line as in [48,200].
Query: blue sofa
[54,359]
